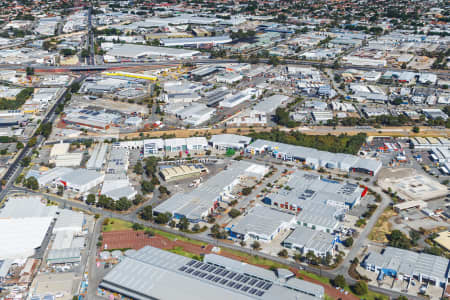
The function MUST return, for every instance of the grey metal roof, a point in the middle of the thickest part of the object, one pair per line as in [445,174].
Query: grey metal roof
[262,220]
[4,267]
[135,51]
[229,139]
[197,40]
[319,215]
[270,104]
[410,263]
[97,158]
[26,207]
[69,219]
[195,203]
[80,176]
[64,255]
[311,239]
[153,273]
[339,160]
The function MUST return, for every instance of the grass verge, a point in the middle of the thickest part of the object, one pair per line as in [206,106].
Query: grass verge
[116,224]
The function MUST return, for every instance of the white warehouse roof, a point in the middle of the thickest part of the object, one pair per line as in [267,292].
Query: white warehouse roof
[136,51]
[196,41]
[21,236]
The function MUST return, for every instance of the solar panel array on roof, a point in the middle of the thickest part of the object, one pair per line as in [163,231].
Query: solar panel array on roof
[221,276]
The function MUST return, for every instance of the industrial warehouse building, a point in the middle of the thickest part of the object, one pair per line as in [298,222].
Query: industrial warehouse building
[320,204]
[197,204]
[76,180]
[142,51]
[229,141]
[304,186]
[260,113]
[262,223]
[408,265]
[429,142]
[171,173]
[152,273]
[316,158]
[90,119]
[116,184]
[21,236]
[197,41]
[25,222]
[162,147]
[304,239]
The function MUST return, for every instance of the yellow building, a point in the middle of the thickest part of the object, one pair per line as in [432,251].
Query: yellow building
[131,75]
[444,240]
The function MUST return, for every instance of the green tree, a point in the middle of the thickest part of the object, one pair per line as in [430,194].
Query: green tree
[26,161]
[398,239]
[60,190]
[256,245]
[19,145]
[122,204]
[348,242]
[138,169]
[31,183]
[163,218]
[147,213]
[147,187]
[75,87]
[138,199]
[20,179]
[29,71]
[105,202]
[90,200]
[283,253]
[434,250]
[32,142]
[360,288]
[339,281]
[163,190]
[416,129]
[246,191]
[183,225]
[137,226]
[233,213]
[415,236]
[45,129]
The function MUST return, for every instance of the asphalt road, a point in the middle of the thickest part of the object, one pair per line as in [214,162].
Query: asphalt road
[441,73]
[16,168]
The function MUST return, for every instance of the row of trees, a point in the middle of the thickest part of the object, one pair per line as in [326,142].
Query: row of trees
[19,100]
[123,204]
[337,144]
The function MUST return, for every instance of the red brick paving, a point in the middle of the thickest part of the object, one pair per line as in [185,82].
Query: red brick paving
[122,239]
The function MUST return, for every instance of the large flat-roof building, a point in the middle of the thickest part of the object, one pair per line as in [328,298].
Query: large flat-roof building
[197,204]
[305,187]
[152,273]
[429,142]
[305,239]
[21,236]
[196,41]
[262,223]
[316,158]
[227,141]
[171,173]
[142,51]
[407,265]
[260,113]
[81,180]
